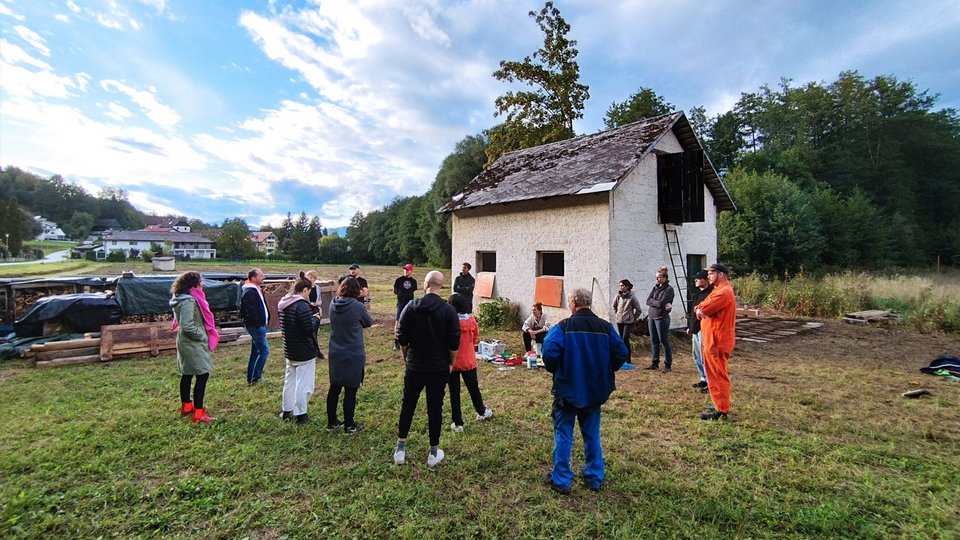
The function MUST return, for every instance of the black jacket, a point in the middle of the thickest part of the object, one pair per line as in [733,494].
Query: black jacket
[430,330]
[464,284]
[299,328]
[693,323]
[252,308]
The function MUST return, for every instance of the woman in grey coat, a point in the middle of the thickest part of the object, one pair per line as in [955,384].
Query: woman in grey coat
[348,318]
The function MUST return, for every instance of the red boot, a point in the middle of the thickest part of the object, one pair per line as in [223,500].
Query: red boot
[201,416]
[186,408]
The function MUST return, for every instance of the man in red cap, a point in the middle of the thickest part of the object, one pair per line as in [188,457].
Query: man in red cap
[718,315]
[403,287]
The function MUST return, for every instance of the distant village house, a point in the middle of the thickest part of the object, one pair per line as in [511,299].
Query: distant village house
[265,242]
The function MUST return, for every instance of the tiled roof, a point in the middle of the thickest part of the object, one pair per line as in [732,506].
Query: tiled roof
[585,164]
[261,236]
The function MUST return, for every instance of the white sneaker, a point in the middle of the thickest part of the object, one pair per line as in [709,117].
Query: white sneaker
[455,428]
[486,414]
[433,461]
[399,457]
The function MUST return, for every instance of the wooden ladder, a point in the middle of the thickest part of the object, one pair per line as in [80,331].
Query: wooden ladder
[679,267]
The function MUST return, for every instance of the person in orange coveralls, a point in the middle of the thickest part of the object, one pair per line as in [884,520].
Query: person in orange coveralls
[718,315]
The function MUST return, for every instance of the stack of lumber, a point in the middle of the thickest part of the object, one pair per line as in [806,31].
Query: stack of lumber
[65,353]
[120,341]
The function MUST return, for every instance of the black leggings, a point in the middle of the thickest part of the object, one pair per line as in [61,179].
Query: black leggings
[470,381]
[199,389]
[413,384]
[624,329]
[349,404]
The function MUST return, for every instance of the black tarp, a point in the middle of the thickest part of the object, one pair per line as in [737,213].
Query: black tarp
[151,294]
[84,312]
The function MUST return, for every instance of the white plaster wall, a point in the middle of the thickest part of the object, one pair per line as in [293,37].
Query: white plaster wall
[638,245]
[580,231]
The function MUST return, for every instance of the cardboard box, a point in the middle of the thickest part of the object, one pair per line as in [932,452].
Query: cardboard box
[491,348]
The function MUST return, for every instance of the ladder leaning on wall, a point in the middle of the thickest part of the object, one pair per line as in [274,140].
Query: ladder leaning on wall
[679,268]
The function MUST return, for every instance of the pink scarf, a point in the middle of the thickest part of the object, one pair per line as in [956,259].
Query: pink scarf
[212,335]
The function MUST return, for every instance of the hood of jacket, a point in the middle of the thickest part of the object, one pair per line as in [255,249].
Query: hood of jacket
[179,299]
[427,304]
[288,300]
[343,304]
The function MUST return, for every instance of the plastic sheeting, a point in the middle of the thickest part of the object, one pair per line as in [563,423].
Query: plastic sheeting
[151,294]
[85,312]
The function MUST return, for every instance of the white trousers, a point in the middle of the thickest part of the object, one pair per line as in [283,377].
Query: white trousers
[299,380]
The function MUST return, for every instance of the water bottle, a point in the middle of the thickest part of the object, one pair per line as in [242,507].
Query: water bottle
[531,360]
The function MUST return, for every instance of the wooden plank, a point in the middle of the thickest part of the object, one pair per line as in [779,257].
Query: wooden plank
[67,353]
[69,361]
[68,344]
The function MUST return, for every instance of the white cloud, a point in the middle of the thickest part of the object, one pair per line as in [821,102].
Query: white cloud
[117,111]
[72,6]
[21,82]
[4,10]
[62,17]
[423,23]
[33,39]
[107,21]
[148,102]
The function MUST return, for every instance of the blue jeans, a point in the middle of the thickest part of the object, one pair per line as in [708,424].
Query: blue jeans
[696,346]
[660,333]
[589,419]
[259,352]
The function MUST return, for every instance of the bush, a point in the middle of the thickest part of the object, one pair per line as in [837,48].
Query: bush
[147,255]
[498,314]
[91,256]
[117,255]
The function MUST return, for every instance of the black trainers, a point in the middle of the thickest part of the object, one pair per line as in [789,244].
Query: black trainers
[705,389]
[699,384]
[286,415]
[666,369]
[653,366]
[302,418]
[548,480]
[351,430]
[332,427]
[715,415]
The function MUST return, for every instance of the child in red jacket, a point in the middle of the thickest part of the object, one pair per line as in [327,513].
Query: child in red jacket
[465,365]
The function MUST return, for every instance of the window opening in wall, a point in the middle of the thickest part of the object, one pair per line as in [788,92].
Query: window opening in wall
[486,261]
[550,263]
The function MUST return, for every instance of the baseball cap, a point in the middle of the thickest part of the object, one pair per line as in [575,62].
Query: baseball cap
[354,266]
[719,267]
[701,275]
[408,267]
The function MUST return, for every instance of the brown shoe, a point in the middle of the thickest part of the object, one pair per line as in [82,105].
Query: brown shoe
[652,366]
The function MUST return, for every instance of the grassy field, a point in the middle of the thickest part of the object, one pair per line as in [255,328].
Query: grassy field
[819,444]
[48,246]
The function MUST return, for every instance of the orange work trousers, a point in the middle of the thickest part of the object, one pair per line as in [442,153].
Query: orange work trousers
[715,364]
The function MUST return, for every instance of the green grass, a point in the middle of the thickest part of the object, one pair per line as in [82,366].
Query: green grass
[819,445]
[48,246]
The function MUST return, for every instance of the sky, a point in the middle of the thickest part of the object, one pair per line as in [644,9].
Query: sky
[219,109]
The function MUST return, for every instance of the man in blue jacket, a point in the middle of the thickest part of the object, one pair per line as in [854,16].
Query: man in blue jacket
[583,352]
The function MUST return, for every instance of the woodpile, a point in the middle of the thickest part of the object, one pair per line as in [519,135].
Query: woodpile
[122,341]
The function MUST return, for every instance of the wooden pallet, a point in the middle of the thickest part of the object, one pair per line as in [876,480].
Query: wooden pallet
[766,330]
[126,339]
[870,316]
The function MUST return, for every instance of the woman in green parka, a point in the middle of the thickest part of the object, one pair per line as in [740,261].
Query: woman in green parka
[196,337]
